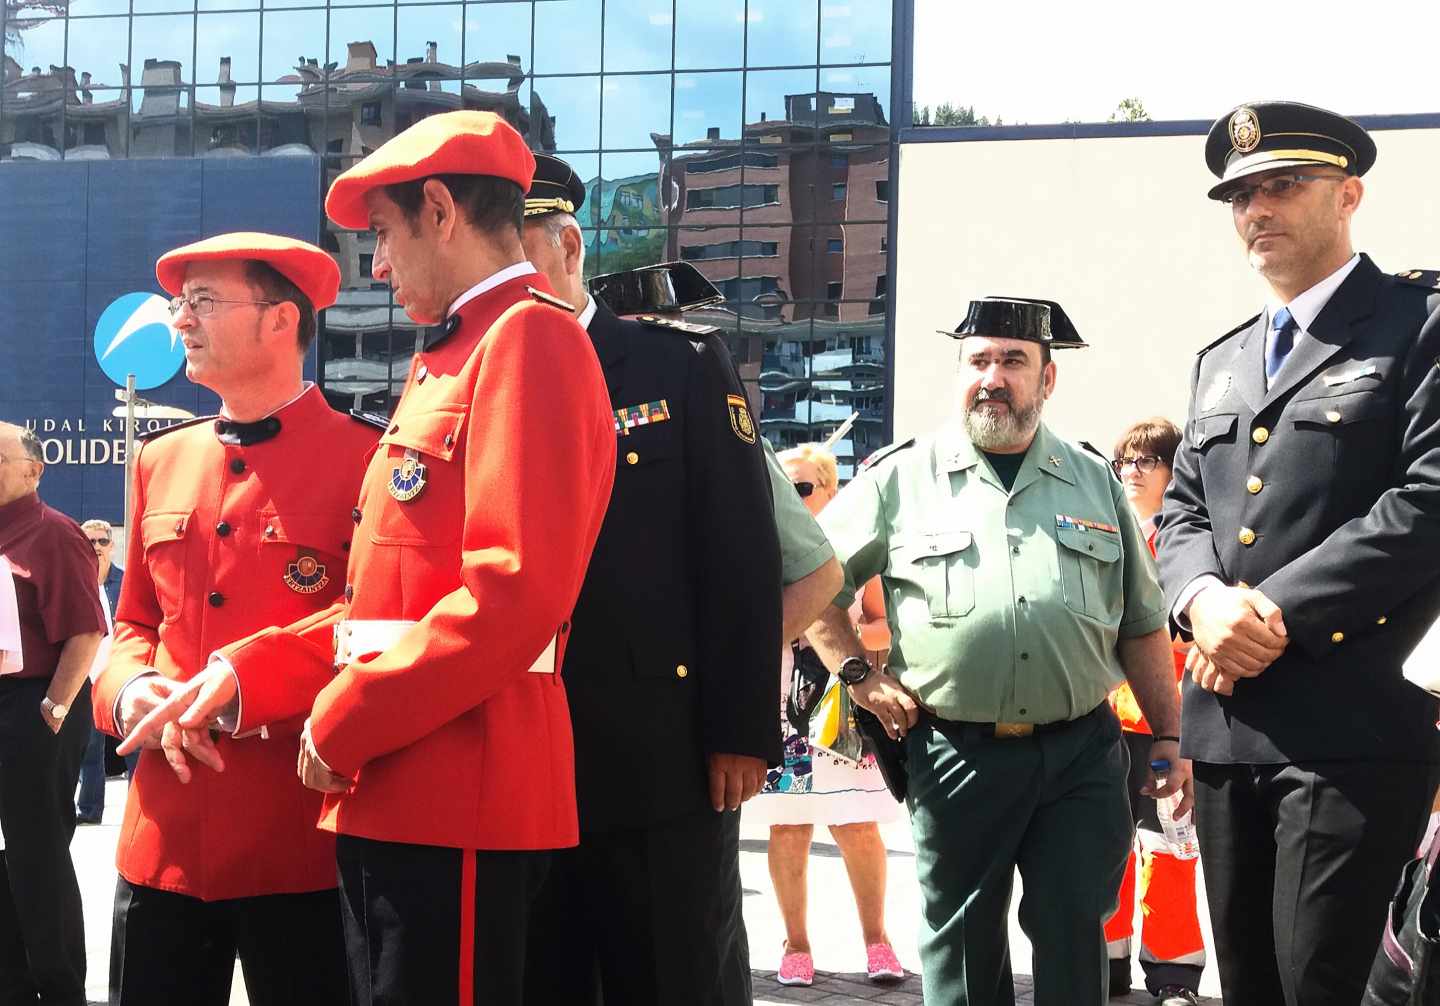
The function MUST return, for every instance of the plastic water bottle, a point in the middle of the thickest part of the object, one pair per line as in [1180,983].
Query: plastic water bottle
[1179,832]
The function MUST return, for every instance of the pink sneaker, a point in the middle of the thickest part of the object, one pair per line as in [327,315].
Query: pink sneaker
[796,969]
[881,964]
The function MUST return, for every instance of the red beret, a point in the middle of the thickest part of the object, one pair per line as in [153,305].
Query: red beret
[451,143]
[309,268]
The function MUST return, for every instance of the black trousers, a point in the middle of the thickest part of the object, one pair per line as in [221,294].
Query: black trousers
[432,926]
[643,917]
[1300,863]
[42,926]
[169,949]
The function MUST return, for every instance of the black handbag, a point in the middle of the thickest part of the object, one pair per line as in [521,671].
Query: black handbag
[808,679]
[1405,972]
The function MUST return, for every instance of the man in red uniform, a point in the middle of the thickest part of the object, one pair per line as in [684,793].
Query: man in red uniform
[437,722]
[234,528]
[1172,950]
[50,626]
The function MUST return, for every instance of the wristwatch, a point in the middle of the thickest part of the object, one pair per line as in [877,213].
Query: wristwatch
[853,670]
[54,710]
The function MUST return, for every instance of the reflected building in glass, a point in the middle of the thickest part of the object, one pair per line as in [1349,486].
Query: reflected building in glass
[750,137]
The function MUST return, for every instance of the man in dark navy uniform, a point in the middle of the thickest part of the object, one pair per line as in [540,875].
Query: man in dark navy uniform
[672,670]
[1298,545]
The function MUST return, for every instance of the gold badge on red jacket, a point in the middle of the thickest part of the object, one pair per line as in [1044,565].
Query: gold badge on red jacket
[407,479]
[740,420]
[306,575]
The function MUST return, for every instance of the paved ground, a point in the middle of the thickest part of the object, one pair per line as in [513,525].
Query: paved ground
[834,935]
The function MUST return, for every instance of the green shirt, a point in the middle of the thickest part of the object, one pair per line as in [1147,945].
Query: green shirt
[1002,606]
[803,546]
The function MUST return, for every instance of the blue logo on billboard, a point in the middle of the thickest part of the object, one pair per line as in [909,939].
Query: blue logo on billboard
[133,336]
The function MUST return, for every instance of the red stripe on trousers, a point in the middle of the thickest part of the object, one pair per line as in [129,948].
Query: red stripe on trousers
[467,927]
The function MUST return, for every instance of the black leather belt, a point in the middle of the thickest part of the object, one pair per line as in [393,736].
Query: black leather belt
[1009,731]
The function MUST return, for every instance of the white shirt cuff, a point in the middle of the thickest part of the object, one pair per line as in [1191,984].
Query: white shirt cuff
[231,724]
[1182,603]
[121,727]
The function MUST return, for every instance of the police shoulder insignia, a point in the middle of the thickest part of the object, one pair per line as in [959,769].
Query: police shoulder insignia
[370,419]
[149,435]
[740,421]
[306,575]
[883,453]
[1428,278]
[688,328]
[551,299]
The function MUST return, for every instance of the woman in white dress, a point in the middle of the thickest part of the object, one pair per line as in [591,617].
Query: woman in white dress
[815,786]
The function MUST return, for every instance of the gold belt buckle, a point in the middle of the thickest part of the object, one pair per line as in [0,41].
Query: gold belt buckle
[1009,730]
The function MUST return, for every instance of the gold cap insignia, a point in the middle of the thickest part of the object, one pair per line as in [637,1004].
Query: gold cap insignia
[1245,130]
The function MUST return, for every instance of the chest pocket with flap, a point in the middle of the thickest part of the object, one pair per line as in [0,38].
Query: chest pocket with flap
[942,565]
[164,535]
[1087,560]
[432,516]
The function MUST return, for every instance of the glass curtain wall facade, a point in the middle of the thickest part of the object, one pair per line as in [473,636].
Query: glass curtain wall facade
[750,137]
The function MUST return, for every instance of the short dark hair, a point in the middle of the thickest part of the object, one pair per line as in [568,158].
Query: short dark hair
[274,286]
[492,205]
[1156,435]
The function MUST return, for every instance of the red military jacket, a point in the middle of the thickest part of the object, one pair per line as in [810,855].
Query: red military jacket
[226,538]
[449,736]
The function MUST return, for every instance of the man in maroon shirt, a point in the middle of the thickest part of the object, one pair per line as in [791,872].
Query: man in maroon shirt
[52,572]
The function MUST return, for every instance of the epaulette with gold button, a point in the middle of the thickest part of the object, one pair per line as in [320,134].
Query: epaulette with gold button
[883,453]
[155,434]
[551,299]
[688,328]
[370,419]
[1428,278]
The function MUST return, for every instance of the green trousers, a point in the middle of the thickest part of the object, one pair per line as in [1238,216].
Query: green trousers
[1052,805]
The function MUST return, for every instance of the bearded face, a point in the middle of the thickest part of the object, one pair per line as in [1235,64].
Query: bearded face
[1004,385]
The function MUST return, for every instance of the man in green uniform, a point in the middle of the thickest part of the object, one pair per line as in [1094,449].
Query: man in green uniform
[1019,591]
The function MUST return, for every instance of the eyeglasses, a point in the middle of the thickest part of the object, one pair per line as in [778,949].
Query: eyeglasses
[1279,188]
[1144,463]
[804,488]
[203,305]
[100,541]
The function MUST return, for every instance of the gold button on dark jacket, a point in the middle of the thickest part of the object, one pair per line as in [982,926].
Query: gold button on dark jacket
[1260,434]
[1246,536]
[1254,484]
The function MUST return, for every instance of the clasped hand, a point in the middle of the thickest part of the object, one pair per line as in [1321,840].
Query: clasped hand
[893,706]
[1239,632]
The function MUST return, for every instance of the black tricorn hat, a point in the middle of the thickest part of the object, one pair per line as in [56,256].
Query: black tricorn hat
[655,289]
[1042,321]
[1265,135]
[556,188]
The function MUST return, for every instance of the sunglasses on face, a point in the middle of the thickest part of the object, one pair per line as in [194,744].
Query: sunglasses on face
[100,541]
[1145,464]
[804,488]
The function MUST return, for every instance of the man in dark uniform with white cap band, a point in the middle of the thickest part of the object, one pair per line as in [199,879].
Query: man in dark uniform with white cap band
[1298,544]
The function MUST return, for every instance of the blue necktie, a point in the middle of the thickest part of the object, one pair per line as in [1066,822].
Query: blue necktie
[1283,326]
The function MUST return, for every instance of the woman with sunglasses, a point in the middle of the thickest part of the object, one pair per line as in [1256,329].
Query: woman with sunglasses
[816,786]
[1172,951]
